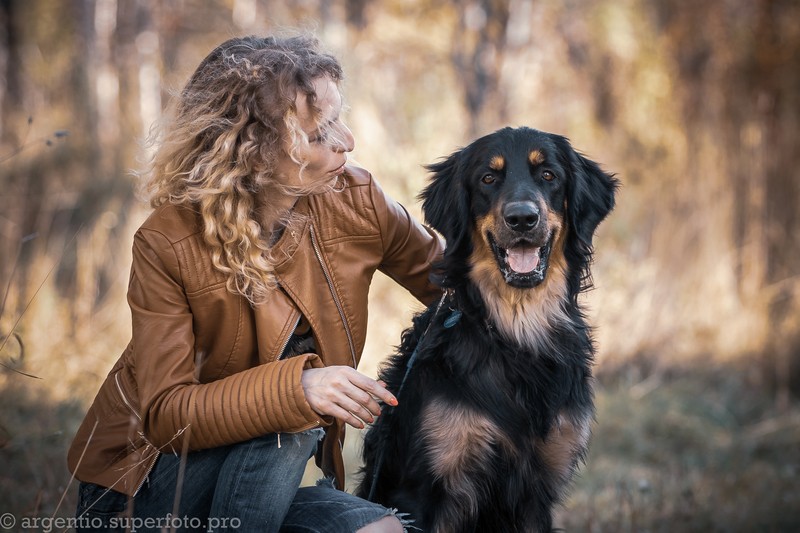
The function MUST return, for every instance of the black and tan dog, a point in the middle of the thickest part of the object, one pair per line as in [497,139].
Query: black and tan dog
[496,402]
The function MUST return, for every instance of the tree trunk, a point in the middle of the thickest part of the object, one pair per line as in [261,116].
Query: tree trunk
[477,55]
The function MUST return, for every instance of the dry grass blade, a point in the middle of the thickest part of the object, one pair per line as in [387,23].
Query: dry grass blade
[72,477]
[16,336]
[14,270]
[185,446]
[48,141]
[27,306]
[181,475]
[788,423]
[19,358]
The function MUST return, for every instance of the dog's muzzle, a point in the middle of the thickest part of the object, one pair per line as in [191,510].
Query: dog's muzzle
[521,244]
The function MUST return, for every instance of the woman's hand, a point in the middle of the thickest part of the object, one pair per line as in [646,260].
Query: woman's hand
[344,393]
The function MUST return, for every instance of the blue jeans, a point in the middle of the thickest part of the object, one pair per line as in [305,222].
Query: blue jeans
[250,486]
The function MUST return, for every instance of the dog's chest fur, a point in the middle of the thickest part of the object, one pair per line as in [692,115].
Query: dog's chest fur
[480,408]
[499,401]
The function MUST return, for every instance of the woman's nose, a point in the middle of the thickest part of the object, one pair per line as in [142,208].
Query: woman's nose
[346,141]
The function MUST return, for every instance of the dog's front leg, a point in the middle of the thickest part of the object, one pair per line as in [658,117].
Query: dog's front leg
[460,447]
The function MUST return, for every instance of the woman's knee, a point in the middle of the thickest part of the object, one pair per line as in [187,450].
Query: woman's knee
[276,448]
[387,524]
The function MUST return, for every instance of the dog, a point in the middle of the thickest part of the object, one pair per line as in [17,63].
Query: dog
[494,381]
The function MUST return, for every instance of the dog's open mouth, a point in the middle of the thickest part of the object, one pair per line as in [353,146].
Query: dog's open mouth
[522,264]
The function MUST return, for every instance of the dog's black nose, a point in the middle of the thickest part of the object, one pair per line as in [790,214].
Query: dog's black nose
[521,216]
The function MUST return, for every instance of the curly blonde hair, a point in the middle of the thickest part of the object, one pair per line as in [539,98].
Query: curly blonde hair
[217,147]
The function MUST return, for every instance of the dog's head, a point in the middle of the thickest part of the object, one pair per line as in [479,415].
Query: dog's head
[517,201]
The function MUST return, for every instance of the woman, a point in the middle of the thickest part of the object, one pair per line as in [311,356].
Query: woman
[248,294]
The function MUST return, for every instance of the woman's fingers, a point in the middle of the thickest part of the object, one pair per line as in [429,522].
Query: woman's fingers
[376,389]
[344,393]
[346,416]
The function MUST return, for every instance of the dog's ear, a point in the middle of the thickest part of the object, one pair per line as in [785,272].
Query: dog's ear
[590,194]
[445,201]
[445,204]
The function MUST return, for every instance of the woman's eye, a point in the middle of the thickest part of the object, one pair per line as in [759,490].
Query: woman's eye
[488,179]
[319,138]
[549,176]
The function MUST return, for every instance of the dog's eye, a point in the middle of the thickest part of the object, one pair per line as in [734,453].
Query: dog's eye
[488,179]
[549,176]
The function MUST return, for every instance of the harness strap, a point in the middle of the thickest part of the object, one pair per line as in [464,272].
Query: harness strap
[451,321]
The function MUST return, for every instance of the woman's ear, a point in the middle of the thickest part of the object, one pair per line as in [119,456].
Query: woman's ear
[590,197]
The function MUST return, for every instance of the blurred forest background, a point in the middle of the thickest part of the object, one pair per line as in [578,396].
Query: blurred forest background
[694,104]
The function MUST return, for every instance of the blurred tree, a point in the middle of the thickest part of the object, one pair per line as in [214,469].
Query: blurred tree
[767,108]
[738,68]
[356,13]
[477,54]
[64,74]
[11,90]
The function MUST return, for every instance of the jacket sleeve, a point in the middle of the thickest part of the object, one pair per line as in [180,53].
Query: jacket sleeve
[179,411]
[409,248]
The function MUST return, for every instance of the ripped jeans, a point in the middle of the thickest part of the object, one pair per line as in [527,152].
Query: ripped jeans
[250,486]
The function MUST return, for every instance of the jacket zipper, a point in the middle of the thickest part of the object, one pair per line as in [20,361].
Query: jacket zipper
[155,451]
[288,338]
[335,296]
[125,398]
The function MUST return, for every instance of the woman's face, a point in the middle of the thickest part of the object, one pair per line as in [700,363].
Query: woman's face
[329,139]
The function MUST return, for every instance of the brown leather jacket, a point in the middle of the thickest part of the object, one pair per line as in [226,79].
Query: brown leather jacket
[202,368]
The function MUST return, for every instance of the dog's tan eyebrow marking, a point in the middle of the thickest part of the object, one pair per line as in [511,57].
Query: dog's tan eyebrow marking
[497,162]
[536,157]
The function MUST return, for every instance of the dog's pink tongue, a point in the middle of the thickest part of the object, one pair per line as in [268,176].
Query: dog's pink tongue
[523,259]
